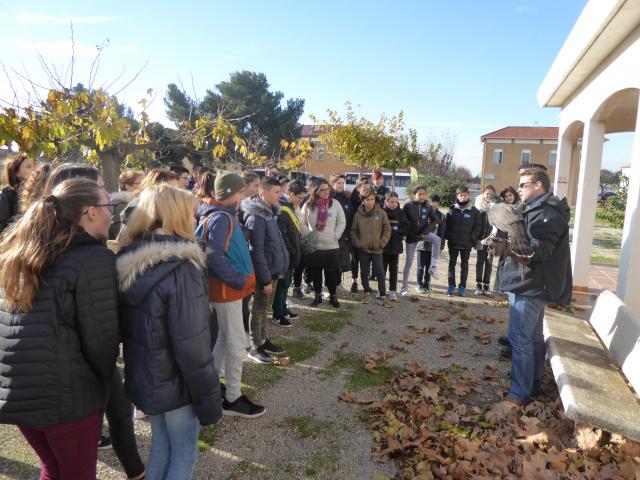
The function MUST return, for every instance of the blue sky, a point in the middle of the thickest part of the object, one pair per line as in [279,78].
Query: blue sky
[462,68]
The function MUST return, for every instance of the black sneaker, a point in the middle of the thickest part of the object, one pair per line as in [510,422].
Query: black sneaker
[307,288]
[269,347]
[317,300]
[333,300]
[297,293]
[258,355]
[242,407]
[291,315]
[504,341]
[505,352]
[104,443]
[354,287]
[282,322]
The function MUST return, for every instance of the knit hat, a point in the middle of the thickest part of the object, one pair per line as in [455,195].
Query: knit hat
[227,184]
[434,197]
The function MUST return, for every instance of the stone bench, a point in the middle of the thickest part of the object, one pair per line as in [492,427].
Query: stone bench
[590,361]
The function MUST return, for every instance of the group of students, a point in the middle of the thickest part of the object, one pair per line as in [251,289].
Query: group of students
[187,286]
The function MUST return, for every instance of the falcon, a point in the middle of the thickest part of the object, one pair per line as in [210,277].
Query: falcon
[504,217]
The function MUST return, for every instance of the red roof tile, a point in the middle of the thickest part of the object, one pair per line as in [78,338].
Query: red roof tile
[540,133]
[311,131]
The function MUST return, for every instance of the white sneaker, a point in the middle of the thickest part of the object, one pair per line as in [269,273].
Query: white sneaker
[404,291]
[377,295]
[433,271]
[393,297]
[137,413]
[248,346]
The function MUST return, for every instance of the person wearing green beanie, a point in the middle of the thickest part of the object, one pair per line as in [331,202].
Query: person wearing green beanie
[227,184]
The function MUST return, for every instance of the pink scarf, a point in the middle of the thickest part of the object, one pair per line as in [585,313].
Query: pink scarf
[323,212]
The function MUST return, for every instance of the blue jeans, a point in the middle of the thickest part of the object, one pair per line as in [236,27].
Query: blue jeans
[174,444]
[527,343]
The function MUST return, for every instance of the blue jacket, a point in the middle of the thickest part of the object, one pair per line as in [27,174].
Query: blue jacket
[268,252]
[166,324]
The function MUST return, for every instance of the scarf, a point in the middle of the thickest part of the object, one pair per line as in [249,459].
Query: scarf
[483,205]
[323,212]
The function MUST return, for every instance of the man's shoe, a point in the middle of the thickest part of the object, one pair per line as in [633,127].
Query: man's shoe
[404,291]
[258,355]
[366,298]
[450,291]
[333,300]
[354,287]
[461,291]
[104,443]
[307,288]
[291,315]
[515,401]
[486,291]
[420,289]
[433,272]
[282,322]
[317,300]
[504,341]
[297,293]
[478,291]
[393,297]
[242,407]
[386,303]
[377,295]
[505,352]
[272,348]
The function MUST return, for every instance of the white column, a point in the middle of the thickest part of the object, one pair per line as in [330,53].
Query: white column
[629,273]
[588,182]
[563,165]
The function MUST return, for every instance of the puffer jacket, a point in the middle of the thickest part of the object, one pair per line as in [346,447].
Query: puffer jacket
[8,207]
[344,199]
[381,193]
[370,231]
[165,320]
[418,216]
[548,277]
[462,229]
[291,232]
[268,252]
[399,227]
[336,222]
[57,360]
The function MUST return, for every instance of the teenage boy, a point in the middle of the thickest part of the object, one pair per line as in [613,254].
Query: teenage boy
[343,197]
[462,231]
[425,247]
[231,279]
[391,253]
[291,230]
[417,213]
[370,233]
[183,175]
[362,186]
[270,263]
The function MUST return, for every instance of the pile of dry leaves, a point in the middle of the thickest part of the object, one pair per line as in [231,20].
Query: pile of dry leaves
[433,426]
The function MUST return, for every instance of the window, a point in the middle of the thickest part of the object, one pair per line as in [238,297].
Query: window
[490,176]
[497,156]
[320,152]
[553,156]
[525,157]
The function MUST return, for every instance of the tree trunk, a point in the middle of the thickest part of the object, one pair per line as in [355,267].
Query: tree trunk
[393,179]
[111,162]
[361,168]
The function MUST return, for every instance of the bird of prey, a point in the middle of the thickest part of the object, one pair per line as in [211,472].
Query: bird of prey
[504,217]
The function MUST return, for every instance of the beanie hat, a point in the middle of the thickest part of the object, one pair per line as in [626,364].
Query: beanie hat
[227,184]
[434,197]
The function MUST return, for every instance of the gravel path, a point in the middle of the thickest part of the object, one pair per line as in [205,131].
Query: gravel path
[307,431]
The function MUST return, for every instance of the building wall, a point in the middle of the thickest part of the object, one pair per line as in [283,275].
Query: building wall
[506,174]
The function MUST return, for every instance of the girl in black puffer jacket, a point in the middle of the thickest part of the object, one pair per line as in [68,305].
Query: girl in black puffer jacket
[59,326]
[165,318]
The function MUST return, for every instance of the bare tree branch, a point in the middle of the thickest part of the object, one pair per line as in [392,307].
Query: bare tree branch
[15,94]
[133,79]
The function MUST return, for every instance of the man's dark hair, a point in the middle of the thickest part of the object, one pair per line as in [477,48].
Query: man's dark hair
[283,179]
[296,187]
[418,188]
[532,166]
[537,175]
[178,169]
[391,195]
[462,189]
[249,177]
[267,183]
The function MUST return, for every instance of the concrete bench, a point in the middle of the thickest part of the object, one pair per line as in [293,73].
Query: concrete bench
[590,362]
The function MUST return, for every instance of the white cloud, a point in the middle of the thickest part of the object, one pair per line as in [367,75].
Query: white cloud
[525,9]
[34,19]
[64,49]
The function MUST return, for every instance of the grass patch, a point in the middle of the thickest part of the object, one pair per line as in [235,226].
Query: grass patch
[208,437]
[308,427]
[331,321]
[246,467]
[322,463]
[299,349]
[358,378]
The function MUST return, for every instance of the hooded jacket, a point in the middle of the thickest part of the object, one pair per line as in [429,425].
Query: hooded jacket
[57,360]
[370,231]
[399,227]
[268,252]
[548,277]
[166,325]
[418,216]
[462,226]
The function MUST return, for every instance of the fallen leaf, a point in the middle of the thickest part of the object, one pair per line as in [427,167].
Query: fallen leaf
[348,397]
[397,347]
[443,337]
[408,339]
[281,361]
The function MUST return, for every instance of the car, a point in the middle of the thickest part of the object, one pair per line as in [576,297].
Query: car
[604,196]
[401,181]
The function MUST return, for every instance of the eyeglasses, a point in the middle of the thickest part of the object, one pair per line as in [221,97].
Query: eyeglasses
[527,183]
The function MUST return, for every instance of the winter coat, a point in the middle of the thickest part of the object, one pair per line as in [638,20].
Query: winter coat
[268,252]
[57,360]
[229,263]
[8,207]
[418,216]
[399,227]
[381,193]
[370,231]
[336,222]
[291,233]
[437,222]
[462,226]
[548,277]
[120,200]
[344,199]
[165,320]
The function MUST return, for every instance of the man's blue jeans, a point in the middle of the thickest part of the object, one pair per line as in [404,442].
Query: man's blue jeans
[174,444]
[527,343]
